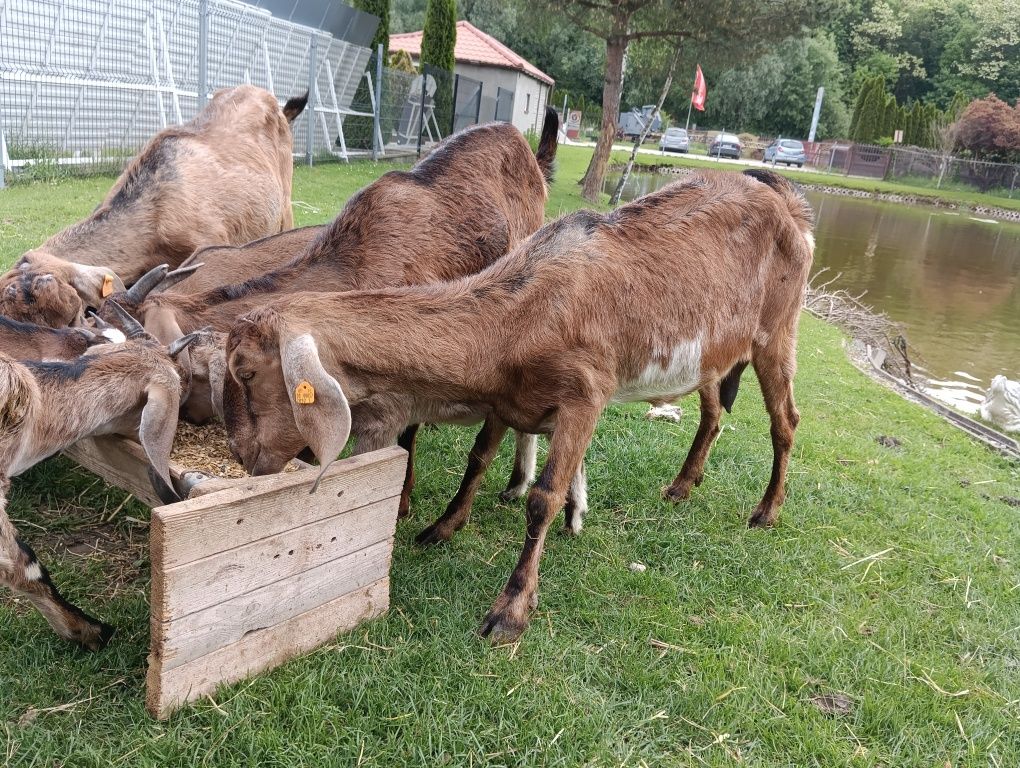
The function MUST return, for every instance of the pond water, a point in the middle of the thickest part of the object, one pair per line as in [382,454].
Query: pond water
[952,280]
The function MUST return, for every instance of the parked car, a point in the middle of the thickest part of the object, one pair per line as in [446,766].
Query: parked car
[725,145]
[675,140]
[787,151]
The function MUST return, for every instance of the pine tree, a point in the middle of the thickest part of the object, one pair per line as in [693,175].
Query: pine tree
[439,38]
[872,113]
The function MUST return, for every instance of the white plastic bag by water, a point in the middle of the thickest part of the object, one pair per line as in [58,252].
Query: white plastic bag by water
[1002,404]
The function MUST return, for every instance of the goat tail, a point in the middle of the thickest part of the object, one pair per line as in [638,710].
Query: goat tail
[546,152]
[294,107]
[729,384]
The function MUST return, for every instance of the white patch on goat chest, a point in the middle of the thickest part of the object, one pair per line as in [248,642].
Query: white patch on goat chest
[666,375]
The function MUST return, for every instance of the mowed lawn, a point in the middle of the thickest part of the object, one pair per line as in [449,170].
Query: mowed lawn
[877,625]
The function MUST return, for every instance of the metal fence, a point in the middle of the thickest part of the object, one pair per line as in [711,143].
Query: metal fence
[916,167]
[84,83]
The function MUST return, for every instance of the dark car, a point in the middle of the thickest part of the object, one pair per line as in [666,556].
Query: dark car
[787,151]
[725,145]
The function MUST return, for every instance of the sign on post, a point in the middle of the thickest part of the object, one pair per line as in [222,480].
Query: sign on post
[573,124]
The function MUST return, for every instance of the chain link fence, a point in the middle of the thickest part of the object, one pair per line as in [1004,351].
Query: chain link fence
[916,167]
[85,83]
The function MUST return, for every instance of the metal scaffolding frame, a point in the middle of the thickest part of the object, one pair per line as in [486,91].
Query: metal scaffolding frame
[88,81]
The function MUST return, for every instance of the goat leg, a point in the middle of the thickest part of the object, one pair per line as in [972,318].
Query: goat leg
[21,571]
[508,617]
[407,441]
[774,371]
[523,474]
[693,470]
[576,506]
[459,509]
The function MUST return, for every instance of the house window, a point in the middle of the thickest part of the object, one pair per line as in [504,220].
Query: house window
[527,103]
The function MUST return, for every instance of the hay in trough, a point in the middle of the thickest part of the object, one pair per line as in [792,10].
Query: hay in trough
[205,449]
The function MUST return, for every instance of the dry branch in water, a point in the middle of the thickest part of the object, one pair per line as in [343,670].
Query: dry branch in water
[861,323]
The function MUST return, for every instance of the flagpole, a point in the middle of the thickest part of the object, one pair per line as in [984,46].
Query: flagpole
[689,103]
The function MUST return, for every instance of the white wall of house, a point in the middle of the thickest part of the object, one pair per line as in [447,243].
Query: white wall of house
[529,103]
[527,113]
[530,95]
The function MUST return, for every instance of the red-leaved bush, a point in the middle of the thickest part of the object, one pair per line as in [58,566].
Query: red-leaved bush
[990,128]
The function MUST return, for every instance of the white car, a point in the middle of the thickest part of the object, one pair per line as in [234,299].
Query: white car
[674,140]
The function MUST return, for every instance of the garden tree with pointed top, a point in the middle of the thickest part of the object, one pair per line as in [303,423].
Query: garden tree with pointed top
[438,41]
[621,22]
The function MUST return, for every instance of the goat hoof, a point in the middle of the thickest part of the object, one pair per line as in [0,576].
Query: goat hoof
[676,493]
[403,510]
[513,493]
[573,524]
[763,517]
[506,622]
[434,534]
[94,636]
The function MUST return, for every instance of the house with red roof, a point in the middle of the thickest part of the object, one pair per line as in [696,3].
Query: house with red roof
[493,82]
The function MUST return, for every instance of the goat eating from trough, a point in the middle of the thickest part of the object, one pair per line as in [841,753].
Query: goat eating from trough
[45,407]
[476,196]
[222,178]
[673,293]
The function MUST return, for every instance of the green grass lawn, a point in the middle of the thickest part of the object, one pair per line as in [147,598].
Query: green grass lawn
[893,578]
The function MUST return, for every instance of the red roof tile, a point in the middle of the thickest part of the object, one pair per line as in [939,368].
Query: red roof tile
[474,47]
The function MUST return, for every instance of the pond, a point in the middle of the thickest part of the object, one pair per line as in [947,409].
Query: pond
[953,282]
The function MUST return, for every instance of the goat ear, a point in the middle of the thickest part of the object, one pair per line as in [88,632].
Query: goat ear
[320,408]
[217,368]
[156,433]
[94,284]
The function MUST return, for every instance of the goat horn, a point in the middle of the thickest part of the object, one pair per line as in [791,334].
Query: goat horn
[181,273]
[132,327]
[143,287]
[99,322]
[184,342]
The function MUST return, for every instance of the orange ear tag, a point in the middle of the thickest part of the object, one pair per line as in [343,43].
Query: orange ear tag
[107,285]
[304,393]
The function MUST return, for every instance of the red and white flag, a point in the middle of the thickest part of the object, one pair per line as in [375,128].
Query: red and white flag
[700,91]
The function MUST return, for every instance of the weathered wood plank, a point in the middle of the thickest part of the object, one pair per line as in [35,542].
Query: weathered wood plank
[120,462]
[199,584]
[263,506]
[168,689]
[180,639]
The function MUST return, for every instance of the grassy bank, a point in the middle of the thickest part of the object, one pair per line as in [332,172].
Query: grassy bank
[893,579]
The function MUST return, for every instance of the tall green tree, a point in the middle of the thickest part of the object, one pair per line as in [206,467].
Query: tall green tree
[775,93]
[621,22]
[439,39]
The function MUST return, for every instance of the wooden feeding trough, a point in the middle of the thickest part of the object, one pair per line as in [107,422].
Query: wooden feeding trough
[249,572]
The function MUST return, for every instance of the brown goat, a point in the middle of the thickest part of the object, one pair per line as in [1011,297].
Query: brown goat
[27,341]
[673,293]
[464,206]
[222,178]
[131,389]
